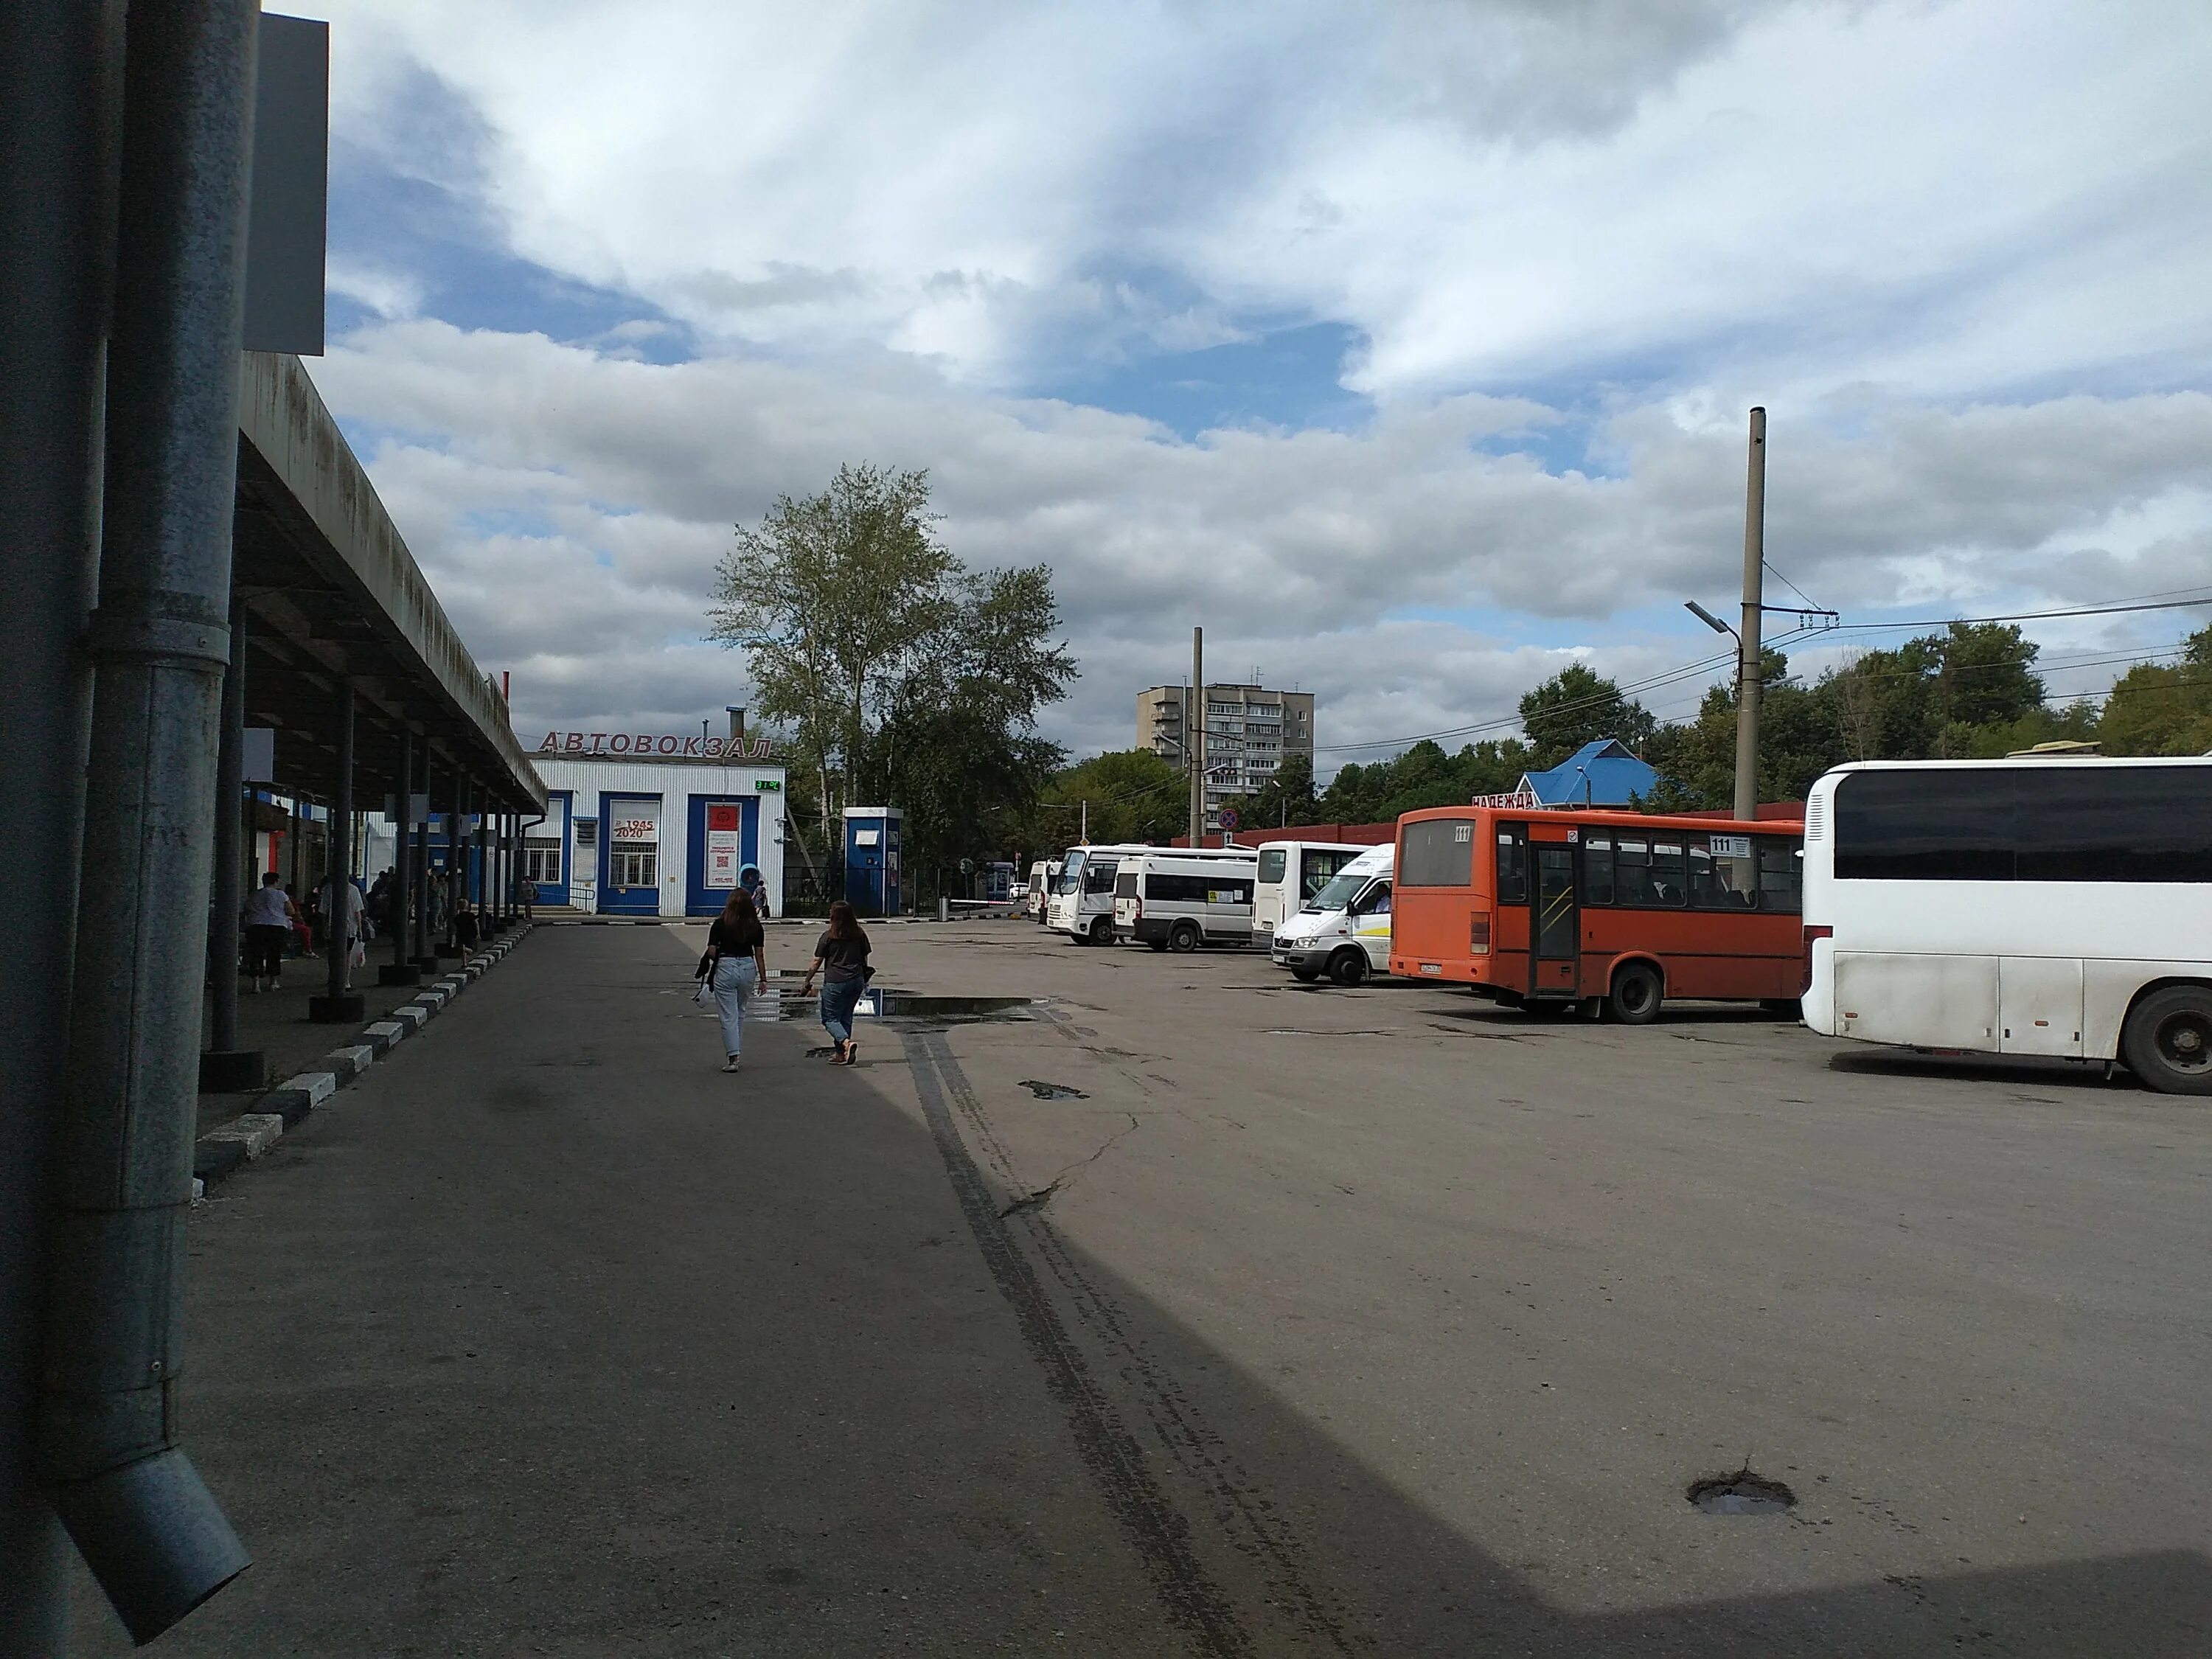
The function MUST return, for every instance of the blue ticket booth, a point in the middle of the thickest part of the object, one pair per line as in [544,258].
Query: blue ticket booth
[872,860]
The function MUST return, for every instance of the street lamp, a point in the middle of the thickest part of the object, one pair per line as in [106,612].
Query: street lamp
[1716,625]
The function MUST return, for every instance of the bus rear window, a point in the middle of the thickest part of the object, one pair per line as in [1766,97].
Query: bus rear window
[1438,853]
[1272,861]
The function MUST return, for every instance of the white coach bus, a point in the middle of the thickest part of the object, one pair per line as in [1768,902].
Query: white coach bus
[1291,873]
[2059,906]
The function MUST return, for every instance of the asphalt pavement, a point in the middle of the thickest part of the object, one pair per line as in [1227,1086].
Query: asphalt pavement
[1188,1311]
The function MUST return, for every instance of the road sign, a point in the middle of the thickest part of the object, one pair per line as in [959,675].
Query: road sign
[1228,817]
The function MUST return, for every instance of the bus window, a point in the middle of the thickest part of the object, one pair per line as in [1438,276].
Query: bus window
[1670,880]
[1273,861]
[1632,871]
[1597,870]
[1512,869]
[1316,867]
[1438,853]
[1375,902]
[1098,874]
[1781,873]
[1721,877]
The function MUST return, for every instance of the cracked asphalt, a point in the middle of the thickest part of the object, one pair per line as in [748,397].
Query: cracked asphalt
[1377,1322]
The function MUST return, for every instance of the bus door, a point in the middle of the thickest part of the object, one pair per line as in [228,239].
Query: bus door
[1555,958]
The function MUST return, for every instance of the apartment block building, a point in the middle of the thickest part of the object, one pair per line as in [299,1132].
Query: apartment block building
[1249,730]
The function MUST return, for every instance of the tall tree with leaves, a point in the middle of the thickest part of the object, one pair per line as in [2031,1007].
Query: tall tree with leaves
[864,635]
[1577,706]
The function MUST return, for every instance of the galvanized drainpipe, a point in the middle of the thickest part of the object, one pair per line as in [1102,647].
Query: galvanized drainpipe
[138,1511]
[59,127]
[229,871]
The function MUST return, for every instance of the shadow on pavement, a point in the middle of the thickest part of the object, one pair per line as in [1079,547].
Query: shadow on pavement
[553,1340]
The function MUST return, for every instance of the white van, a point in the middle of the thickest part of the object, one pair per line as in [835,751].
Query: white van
[1344,929]
[1178,899]
[1082,901]
[1042,874]
[1290,873]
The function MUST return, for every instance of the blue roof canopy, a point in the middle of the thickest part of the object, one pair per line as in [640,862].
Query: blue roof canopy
[1599,774]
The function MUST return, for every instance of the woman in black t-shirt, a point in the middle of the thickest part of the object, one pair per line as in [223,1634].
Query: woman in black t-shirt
[736,964]
[841,954]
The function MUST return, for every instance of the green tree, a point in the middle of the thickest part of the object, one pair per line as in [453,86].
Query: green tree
[2155,709]
[866,635]
[1577,706]
[1132,795]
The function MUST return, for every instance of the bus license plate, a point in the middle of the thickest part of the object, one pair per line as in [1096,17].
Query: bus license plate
[1432,967]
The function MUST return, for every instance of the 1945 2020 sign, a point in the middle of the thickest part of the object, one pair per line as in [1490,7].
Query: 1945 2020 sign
[649,743]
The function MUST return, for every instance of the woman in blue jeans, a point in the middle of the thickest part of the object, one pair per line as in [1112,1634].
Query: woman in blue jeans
[736,967]
[841,954]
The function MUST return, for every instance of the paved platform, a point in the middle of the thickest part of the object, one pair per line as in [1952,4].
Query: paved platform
[275,1022]
[1192,1311]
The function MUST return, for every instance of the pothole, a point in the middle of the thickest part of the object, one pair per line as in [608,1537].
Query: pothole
[1740,1493]
[1052,1091]
[888,1004]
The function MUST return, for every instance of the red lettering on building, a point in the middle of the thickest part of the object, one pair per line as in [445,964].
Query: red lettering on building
[668,745]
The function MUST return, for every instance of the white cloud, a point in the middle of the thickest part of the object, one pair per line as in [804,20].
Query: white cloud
[1960,247]
[1936,197]
[571,507]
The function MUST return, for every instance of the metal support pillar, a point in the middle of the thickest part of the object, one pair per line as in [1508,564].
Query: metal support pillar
[159,643]
[58,122]
[340,1004]
[454,889]
[400,971]
[425,958]
[225,1068]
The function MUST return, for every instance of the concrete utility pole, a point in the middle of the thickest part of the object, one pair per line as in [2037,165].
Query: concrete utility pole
[1755,590]
[1194,738]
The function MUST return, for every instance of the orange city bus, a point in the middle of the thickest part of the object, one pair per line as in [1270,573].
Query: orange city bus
[1613,910]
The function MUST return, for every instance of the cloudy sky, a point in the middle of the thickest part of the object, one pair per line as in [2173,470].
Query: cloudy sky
[1405,346]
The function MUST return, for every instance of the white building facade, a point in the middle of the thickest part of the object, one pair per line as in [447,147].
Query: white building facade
[653,829]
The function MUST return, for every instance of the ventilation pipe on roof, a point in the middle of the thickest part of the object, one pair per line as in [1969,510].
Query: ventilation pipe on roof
[736,727]
[138,1512]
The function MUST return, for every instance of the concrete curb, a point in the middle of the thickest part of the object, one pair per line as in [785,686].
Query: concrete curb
[231,1146]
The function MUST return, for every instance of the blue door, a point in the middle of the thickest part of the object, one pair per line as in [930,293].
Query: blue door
[725,838]
[629,855]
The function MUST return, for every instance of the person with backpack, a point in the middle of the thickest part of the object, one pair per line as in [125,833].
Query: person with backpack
[841,955]
[734,966]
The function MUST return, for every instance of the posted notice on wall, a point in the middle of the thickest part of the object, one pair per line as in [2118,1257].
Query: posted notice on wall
[724,856]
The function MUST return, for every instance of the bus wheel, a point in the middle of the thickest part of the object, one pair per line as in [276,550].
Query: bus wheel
[2167,1042]
[1636,994]
[1348,966]
[1183,940]
[1305,975]
[1102,931]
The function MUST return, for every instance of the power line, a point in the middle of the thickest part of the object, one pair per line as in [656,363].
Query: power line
[2024,615]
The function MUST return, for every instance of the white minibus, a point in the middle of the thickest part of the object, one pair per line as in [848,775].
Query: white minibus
[1290,873]
[2056,906]
[1042,874]
[1176,899]
[1082,901]
[1344,929]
